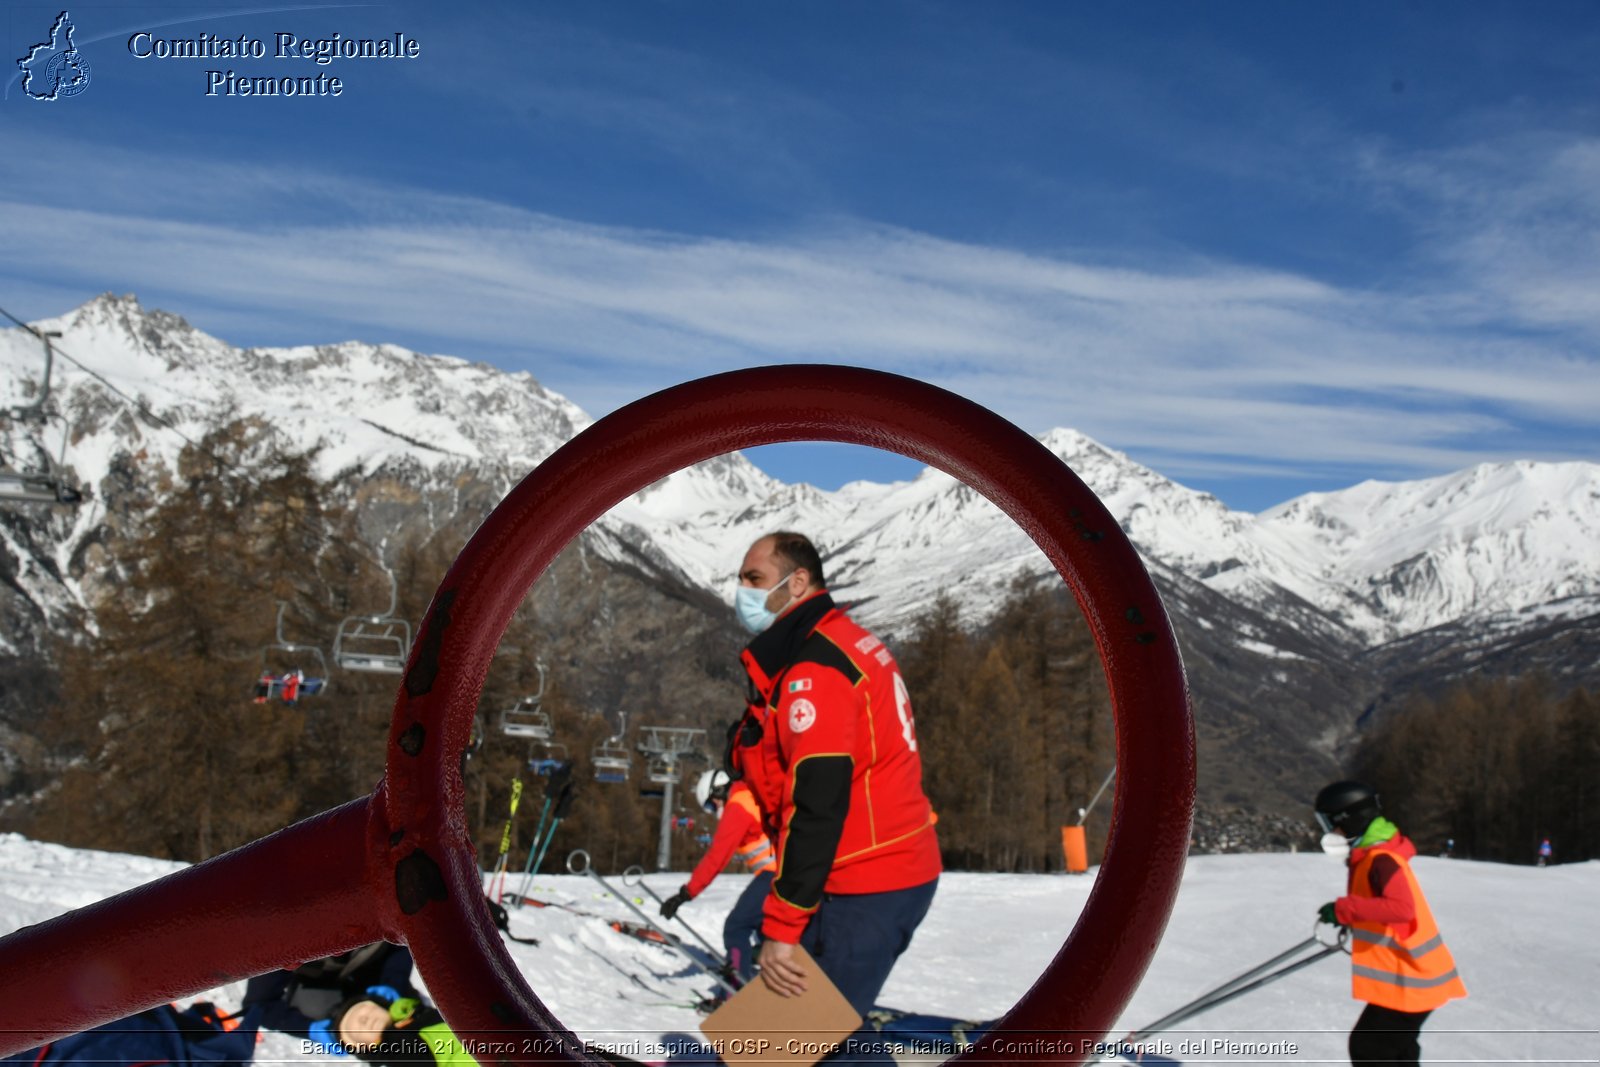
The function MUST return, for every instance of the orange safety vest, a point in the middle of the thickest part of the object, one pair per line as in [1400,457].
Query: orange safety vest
[1405,968]
[755,852]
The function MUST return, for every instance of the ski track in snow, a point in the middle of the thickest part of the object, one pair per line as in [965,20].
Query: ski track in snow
[1527,942]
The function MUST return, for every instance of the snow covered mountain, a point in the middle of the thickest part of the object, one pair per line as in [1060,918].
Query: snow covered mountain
[1374,563]
[1292,621]
[1377,562]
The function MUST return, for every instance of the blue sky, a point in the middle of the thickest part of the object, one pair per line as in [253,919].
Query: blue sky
[1263,248]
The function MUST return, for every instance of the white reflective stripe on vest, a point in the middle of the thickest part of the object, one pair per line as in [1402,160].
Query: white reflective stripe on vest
[1386,941]
[1405,981]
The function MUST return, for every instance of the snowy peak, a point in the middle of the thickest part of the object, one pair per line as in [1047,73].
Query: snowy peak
[370,405]
[1498,537]
[714,486]
[1372,563]
[119,327]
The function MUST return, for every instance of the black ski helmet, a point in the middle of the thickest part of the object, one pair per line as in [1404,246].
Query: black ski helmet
[1348,807]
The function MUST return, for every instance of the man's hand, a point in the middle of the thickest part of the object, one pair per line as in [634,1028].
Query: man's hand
[780,969]
[670,906]
[1328,914]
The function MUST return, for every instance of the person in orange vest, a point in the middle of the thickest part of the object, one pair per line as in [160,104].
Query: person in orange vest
[739,836]
[1398,961]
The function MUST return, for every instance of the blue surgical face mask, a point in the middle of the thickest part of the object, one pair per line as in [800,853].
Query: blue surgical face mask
[751,605]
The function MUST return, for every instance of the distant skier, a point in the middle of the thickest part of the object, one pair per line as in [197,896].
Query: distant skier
[739,836]
[1546,853]
[1399,964]
[289,687]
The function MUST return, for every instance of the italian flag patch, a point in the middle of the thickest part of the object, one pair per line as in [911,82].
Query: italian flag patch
[800,685]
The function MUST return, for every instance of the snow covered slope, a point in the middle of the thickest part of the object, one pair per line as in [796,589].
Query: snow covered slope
[989,936]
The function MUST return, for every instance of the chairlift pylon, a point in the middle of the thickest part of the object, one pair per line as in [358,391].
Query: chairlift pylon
[377,644]
[611,758]
[293,683]
[50,484]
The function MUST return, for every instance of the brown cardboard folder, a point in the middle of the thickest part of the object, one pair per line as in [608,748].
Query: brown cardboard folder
[756,1026]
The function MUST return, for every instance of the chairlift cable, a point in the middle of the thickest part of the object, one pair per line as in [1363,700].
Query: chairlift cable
[139,405]
[217,460]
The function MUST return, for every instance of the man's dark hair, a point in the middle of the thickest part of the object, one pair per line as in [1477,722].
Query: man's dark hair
[796,550]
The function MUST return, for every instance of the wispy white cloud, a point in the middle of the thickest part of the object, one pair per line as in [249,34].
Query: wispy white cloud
[1236,366]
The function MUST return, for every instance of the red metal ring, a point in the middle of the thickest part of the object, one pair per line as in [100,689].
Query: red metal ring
[437,883]
[399,864]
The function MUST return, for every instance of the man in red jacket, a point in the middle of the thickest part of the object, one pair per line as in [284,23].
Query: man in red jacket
[828,747]
[1399,963]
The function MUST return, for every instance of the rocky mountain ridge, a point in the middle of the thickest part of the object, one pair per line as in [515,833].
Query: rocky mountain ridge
[1285,615]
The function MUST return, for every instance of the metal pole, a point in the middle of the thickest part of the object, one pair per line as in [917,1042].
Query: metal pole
[1083,813]
[1212,1000]
[1238,987]
[664,852]
[583,866]
[534,849]
[636,872]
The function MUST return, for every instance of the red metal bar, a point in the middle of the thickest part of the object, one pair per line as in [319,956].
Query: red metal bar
[307,891]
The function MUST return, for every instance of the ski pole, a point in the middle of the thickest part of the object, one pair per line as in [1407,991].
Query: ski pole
[527,870]
[1247,982]
[636,872]
[545,846]
[558,796]
[563,807]
[1205,999]
[583,866]
[1218,1001]
[505,840]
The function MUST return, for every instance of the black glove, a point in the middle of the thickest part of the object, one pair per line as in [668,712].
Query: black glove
[670,906]
[1326,914]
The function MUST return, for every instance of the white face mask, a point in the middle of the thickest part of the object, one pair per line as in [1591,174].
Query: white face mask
[751,605]
[1336,845]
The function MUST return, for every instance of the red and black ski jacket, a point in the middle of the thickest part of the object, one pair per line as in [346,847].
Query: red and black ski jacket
[828,746]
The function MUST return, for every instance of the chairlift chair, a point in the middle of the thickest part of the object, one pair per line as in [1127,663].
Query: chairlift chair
[612,762]
[375,643]
[663,771]
[48,485]
[611,758]
[527,719]
[553,756]
[273,684]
